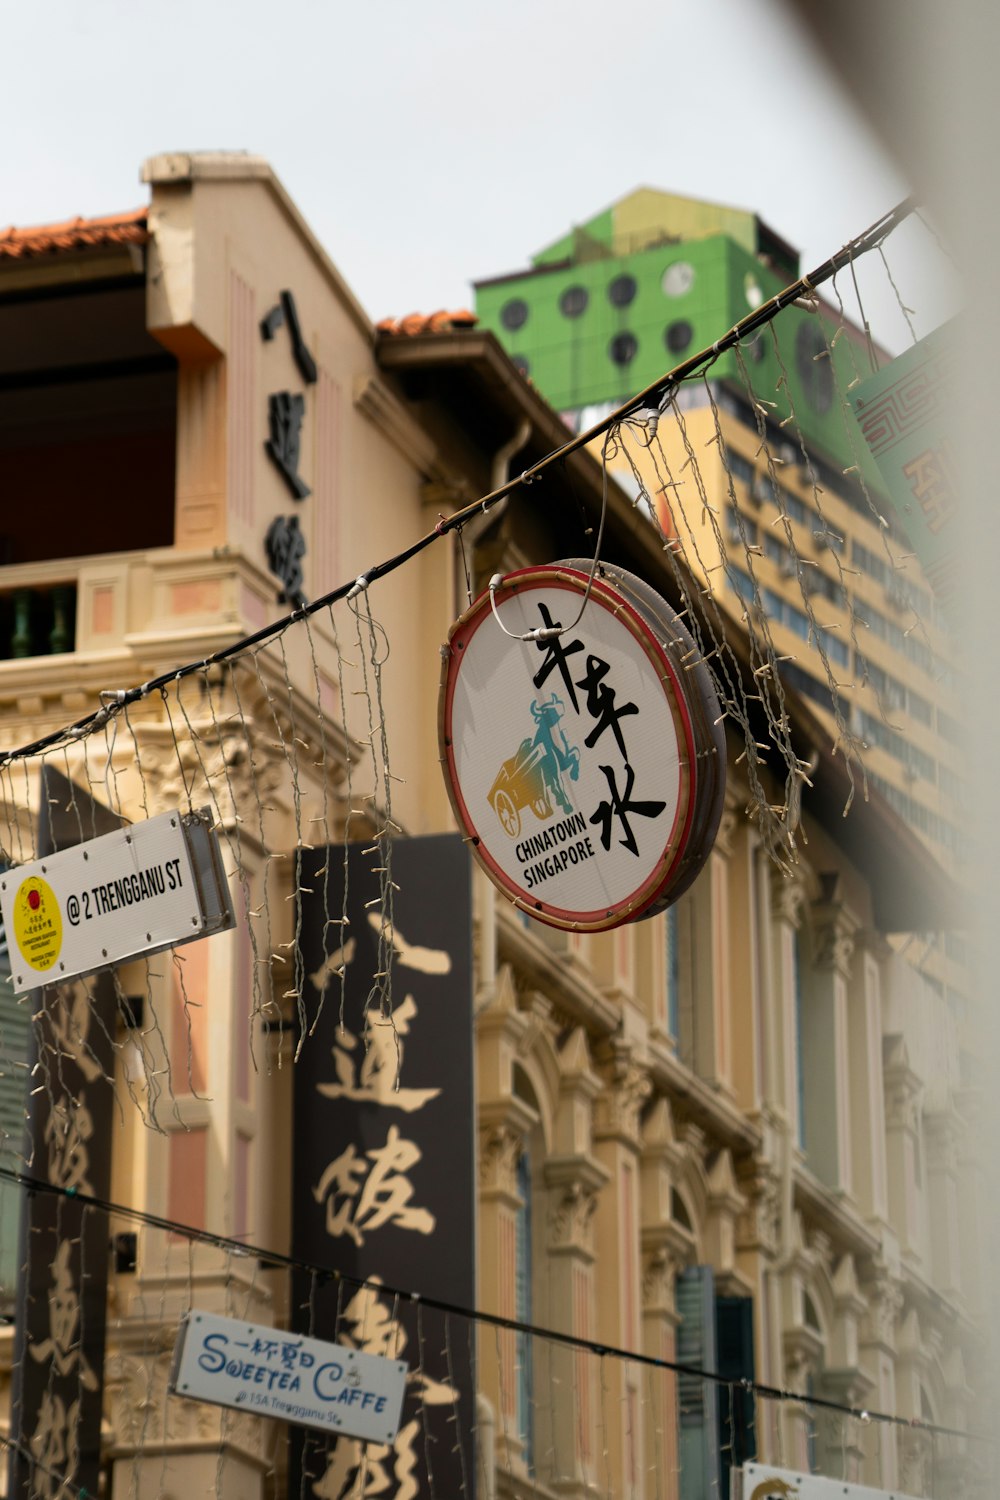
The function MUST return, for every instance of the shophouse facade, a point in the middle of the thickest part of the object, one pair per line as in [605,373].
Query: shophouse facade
[736,1134]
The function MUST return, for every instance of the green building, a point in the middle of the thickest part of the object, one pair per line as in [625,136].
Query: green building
[607,309]
[605,312]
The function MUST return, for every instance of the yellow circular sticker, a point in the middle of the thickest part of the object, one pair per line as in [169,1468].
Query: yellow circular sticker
[38,924]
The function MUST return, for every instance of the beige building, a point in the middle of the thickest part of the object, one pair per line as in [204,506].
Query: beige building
[761,476]
[736,1134]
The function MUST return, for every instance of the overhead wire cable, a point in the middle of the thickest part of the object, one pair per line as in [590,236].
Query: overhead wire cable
[653,396]
[275,1258]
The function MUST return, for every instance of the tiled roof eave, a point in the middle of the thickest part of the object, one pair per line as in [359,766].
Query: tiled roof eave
[74,235]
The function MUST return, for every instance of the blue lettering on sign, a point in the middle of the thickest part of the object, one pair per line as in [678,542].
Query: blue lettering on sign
[274,1366]
[212,1359]
[322,1380]
[330,1375]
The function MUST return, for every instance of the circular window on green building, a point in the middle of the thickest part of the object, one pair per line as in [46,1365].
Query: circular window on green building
[520,363]
[752,291]
[514,314]
[678,279]
[622,291]
[623,348]
[574,301]
[678,336]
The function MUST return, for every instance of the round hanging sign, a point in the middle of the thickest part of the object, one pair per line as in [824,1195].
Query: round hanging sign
[582,746]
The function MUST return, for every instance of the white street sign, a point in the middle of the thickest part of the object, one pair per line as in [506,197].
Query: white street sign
[765,1482]
[270,1373]
[145,887]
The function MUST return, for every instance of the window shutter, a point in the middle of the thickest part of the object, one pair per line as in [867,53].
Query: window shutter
[698,1399]
[734,1334]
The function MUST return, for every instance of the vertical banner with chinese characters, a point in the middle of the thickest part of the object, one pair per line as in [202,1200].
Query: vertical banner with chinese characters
[284,543]
[58,1373]
[384,1137]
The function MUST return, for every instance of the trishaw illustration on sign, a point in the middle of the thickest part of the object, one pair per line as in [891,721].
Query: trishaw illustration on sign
[534,776]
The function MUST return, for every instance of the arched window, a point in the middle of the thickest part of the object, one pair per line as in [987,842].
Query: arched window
[678,1211]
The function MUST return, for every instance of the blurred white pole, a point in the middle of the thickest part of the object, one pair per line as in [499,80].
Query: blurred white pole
[925,75]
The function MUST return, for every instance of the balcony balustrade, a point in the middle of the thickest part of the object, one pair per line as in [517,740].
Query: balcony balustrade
[37,621]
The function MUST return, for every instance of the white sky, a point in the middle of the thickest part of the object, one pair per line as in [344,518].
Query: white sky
[429,144]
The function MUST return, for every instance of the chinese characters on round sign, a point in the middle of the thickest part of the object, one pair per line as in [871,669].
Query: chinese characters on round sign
[585,766]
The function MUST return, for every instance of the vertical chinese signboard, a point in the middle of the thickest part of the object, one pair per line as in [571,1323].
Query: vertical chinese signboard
[58,1370]
[284,544]
[383,1174]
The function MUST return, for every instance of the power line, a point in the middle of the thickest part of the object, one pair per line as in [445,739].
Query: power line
[654,396]
[476,1315]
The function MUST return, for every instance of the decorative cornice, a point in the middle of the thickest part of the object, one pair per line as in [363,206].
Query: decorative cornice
[659,1138]
[572,993]
[699,1101]
[820,1245]
[847,1295]
[499,1152]
[902,1087]
[758,1226]
[803,1350]
[728,824]
[787,895]
[626,1088]
[576,1076]
[667,1247]
[849,1385]
[883,1305]
[572,1204]
[834,1214]
[724,1195]
[833,930]
[503,1127]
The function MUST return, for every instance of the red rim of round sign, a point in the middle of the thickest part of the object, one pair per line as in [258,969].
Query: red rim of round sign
[657,883]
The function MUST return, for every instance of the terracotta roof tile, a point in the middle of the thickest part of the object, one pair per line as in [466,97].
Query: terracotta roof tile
[436,322]
[75,234]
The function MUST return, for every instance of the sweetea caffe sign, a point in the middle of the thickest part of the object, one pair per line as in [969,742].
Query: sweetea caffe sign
[581,743]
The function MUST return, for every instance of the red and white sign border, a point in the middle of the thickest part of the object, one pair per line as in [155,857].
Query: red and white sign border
[654,889]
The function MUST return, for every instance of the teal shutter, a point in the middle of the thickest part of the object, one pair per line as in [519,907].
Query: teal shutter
[698,1399]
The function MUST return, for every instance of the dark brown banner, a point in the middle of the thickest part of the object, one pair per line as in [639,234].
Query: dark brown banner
[58,1371]
[384,1165]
